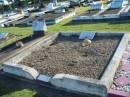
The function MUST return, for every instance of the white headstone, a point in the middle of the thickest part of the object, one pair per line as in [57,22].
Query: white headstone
[55,2]
[118,3]
[50,6]
[89,35]
[39,25]
[96,5]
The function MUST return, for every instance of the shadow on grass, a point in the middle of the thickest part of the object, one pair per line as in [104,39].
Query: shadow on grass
[10,85]
[6,91]
[15,88]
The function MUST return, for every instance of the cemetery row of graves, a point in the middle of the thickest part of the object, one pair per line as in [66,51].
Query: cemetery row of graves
[72,61]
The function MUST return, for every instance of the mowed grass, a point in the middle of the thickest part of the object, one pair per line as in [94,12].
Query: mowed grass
[102,27]
[6,92]
[66,26]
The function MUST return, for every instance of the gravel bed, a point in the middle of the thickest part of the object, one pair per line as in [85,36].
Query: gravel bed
[53,15]
[90,13]
[111,11]
[66,55]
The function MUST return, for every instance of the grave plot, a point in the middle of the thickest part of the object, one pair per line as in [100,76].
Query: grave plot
[111,11]
[66,55]
[90,13]
[50,18]
[62,61]
[94,9]
[5,22]
[114,11]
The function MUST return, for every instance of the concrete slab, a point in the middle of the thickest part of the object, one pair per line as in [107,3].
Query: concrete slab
[78,84]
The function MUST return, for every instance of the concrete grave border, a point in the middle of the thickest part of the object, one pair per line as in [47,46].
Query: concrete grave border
[123,12]
[68,82]
[28,21]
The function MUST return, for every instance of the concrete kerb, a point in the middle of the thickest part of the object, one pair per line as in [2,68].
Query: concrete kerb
[21,71]
[78,84]
[70,82]
[110,71]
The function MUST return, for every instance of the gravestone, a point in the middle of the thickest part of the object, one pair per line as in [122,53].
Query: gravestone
[96,6]
[89,35]
[55,2]
[50,6]
[39,27]
[118,3]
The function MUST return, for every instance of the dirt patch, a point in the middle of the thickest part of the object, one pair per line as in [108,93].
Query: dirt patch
[111,11]
[53,15]
[90,13]
[66,55]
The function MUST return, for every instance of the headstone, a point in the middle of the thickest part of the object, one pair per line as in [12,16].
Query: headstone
[118,3]
[25,12]
[39,27]
[55,2]
[3,35]
[96,6]
[50,6]
[89,35]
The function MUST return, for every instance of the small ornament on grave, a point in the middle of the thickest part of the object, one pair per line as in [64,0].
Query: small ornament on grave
[19,44]
[86,42]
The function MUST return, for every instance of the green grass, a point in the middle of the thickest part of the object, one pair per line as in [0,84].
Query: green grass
[62,26]
[103,27]
[18,93]
[21,32]
[18,31]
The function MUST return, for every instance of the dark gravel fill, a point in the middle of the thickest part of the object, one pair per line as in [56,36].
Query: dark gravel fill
[90,13]
[111,11]
[67,55]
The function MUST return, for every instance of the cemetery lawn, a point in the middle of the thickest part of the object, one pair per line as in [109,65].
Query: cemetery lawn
[6,92]
[66,25]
